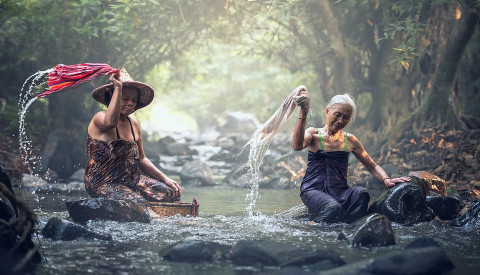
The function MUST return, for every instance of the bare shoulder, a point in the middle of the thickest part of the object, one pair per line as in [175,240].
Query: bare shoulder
[100,114]
[355,142]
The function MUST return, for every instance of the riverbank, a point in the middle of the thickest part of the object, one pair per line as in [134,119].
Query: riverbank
[453,156]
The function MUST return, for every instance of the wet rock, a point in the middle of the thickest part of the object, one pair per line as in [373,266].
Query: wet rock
[471,218]
[196,251]
[238,122]
[63,230]
[120,210]
[446,208]
[262,252]
[404,203]
[422,242]
[376,231]
[469,195]
[197,173]
[319,260]
[429,260]
[435,184]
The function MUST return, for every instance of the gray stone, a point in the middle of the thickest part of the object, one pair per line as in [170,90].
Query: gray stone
[196,251]
[470,219]
[263,253]
[375,232]
[446,208]
[429,260]
[404,203]
[197,173]
[238,122]
[63,230]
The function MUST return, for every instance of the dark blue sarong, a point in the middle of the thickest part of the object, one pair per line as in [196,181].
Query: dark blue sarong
[325,191]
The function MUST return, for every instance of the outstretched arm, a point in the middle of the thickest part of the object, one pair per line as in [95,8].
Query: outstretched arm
[375,169]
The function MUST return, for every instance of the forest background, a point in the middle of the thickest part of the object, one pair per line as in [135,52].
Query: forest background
[411,65]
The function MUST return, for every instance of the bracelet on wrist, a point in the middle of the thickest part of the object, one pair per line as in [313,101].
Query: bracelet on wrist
[387,178]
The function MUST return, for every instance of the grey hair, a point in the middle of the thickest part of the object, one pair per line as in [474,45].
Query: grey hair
[343,99]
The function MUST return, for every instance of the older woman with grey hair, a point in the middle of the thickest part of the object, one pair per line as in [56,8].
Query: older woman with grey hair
[324,188]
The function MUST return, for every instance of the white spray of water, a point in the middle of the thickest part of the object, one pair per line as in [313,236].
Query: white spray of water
[26,99]
[262,138]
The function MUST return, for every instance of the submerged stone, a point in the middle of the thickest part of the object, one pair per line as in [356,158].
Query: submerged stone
[376,231]
[422,242]
[446,208]
[119,210]
[263,252]
[404,203]
[319,260]
[63,230]
[196,251]
[429,260]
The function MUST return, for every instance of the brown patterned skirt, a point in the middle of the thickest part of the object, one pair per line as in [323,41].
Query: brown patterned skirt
[113,171]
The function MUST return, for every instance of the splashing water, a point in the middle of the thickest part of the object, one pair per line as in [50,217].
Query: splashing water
[26,99]
[261,140]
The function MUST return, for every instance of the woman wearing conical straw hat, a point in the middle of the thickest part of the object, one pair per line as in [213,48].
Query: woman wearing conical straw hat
[114,147]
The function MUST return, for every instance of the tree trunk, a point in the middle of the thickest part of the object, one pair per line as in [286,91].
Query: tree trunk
[437,106]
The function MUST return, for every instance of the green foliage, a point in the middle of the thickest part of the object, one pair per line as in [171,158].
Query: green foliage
[214,81]
[407,27]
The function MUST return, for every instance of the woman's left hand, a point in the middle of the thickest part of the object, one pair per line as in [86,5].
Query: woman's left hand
[389,182]
[175,186]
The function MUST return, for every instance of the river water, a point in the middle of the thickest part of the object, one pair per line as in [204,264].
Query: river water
[223,218]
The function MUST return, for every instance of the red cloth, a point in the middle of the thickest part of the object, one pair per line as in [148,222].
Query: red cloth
[64,76]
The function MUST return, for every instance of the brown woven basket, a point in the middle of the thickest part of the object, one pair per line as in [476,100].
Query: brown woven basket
[174,208]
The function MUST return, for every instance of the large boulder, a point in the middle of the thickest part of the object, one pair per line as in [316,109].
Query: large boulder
[238,122]
[196,251]
[446,208]
[63,230]
[376,231]
[428,260]
[404,203]
[120,210]
[197,173]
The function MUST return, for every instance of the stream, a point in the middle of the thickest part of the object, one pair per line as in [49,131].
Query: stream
[223,219]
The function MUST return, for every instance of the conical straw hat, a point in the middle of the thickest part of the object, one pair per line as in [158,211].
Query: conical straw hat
[145,97]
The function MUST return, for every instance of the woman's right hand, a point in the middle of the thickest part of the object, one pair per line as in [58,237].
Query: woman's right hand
[303,99]
[116,83]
